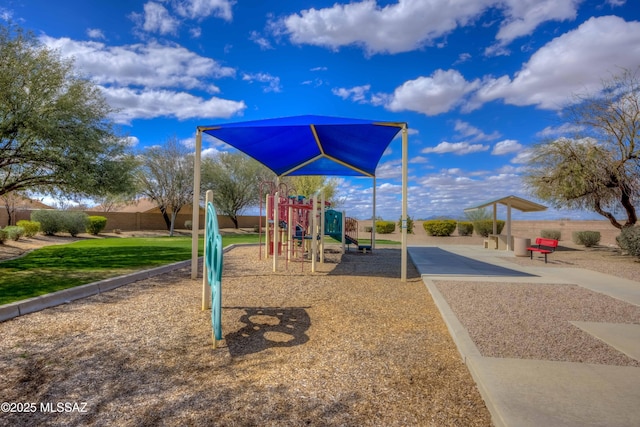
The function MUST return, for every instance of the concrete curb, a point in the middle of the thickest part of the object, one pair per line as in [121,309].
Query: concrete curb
[31,305]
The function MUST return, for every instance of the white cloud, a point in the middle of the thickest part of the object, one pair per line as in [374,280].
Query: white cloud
[522,157]
[158,20]
[95,33]
[132,141]
[564,129]
[148,104]
[463,57]
[5,14]
[466,130]
[439,93]
[356,94]
[524,16]
[458,148]
[507,146]
[270,83]
[261,41]
[398,27]
[389,170]
[200,9]
[412,24]
[150,65]
[572,63]
[210,152]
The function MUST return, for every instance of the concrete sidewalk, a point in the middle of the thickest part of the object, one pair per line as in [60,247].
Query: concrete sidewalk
[523,393]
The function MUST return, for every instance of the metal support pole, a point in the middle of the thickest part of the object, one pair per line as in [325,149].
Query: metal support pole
[276,230]
[405,180]
[267,228]
[322,230]
[344,231]
[314,231]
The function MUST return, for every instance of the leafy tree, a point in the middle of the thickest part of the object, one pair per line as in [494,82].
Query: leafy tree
[165,176]
[598,168]
[309,185]
[235,180]
[10,200]
[55,135]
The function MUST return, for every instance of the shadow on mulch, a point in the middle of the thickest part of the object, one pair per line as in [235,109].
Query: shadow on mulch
[381,262]
[267,327]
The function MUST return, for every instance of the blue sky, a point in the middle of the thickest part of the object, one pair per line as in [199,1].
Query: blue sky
[478,81]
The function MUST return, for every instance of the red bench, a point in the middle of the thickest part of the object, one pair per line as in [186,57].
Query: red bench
[544,246]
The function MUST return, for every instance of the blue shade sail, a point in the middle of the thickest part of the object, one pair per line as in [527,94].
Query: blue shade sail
[311,145]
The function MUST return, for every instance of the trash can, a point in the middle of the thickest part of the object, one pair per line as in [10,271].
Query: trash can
[520,246]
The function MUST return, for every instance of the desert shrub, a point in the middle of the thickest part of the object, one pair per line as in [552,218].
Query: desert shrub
[439,227]
[74,222]
[51,221]
[31,228]
[586,238]
[484,227]
[465,228]
[629,240]
[385,227]
[95,224]
[409,225]
[188,224]
[3,236]
[550,234]
[14,232]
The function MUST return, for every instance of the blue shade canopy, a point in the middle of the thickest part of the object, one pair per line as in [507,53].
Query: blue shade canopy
[311,145]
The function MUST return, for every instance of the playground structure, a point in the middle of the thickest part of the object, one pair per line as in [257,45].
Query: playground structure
[295,226]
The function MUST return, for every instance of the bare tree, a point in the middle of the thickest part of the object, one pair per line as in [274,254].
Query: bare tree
[166,177]
[597,169]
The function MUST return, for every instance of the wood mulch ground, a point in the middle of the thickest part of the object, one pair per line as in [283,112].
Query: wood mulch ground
[350,345]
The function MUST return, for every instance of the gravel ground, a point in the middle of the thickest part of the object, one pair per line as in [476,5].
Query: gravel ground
[531,321]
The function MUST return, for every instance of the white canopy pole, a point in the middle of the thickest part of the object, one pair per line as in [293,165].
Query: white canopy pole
[495,218]
[509,226]
[195,219]
[405,177]
[373,224]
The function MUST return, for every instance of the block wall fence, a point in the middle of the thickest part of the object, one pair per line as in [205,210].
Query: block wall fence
[129,221]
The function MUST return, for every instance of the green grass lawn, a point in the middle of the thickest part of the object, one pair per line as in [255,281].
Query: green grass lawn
[57,267]
[53,268]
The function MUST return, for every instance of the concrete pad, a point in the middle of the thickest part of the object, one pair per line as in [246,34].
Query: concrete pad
[537,393]
[616,287]
[431,260]
[624,337]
